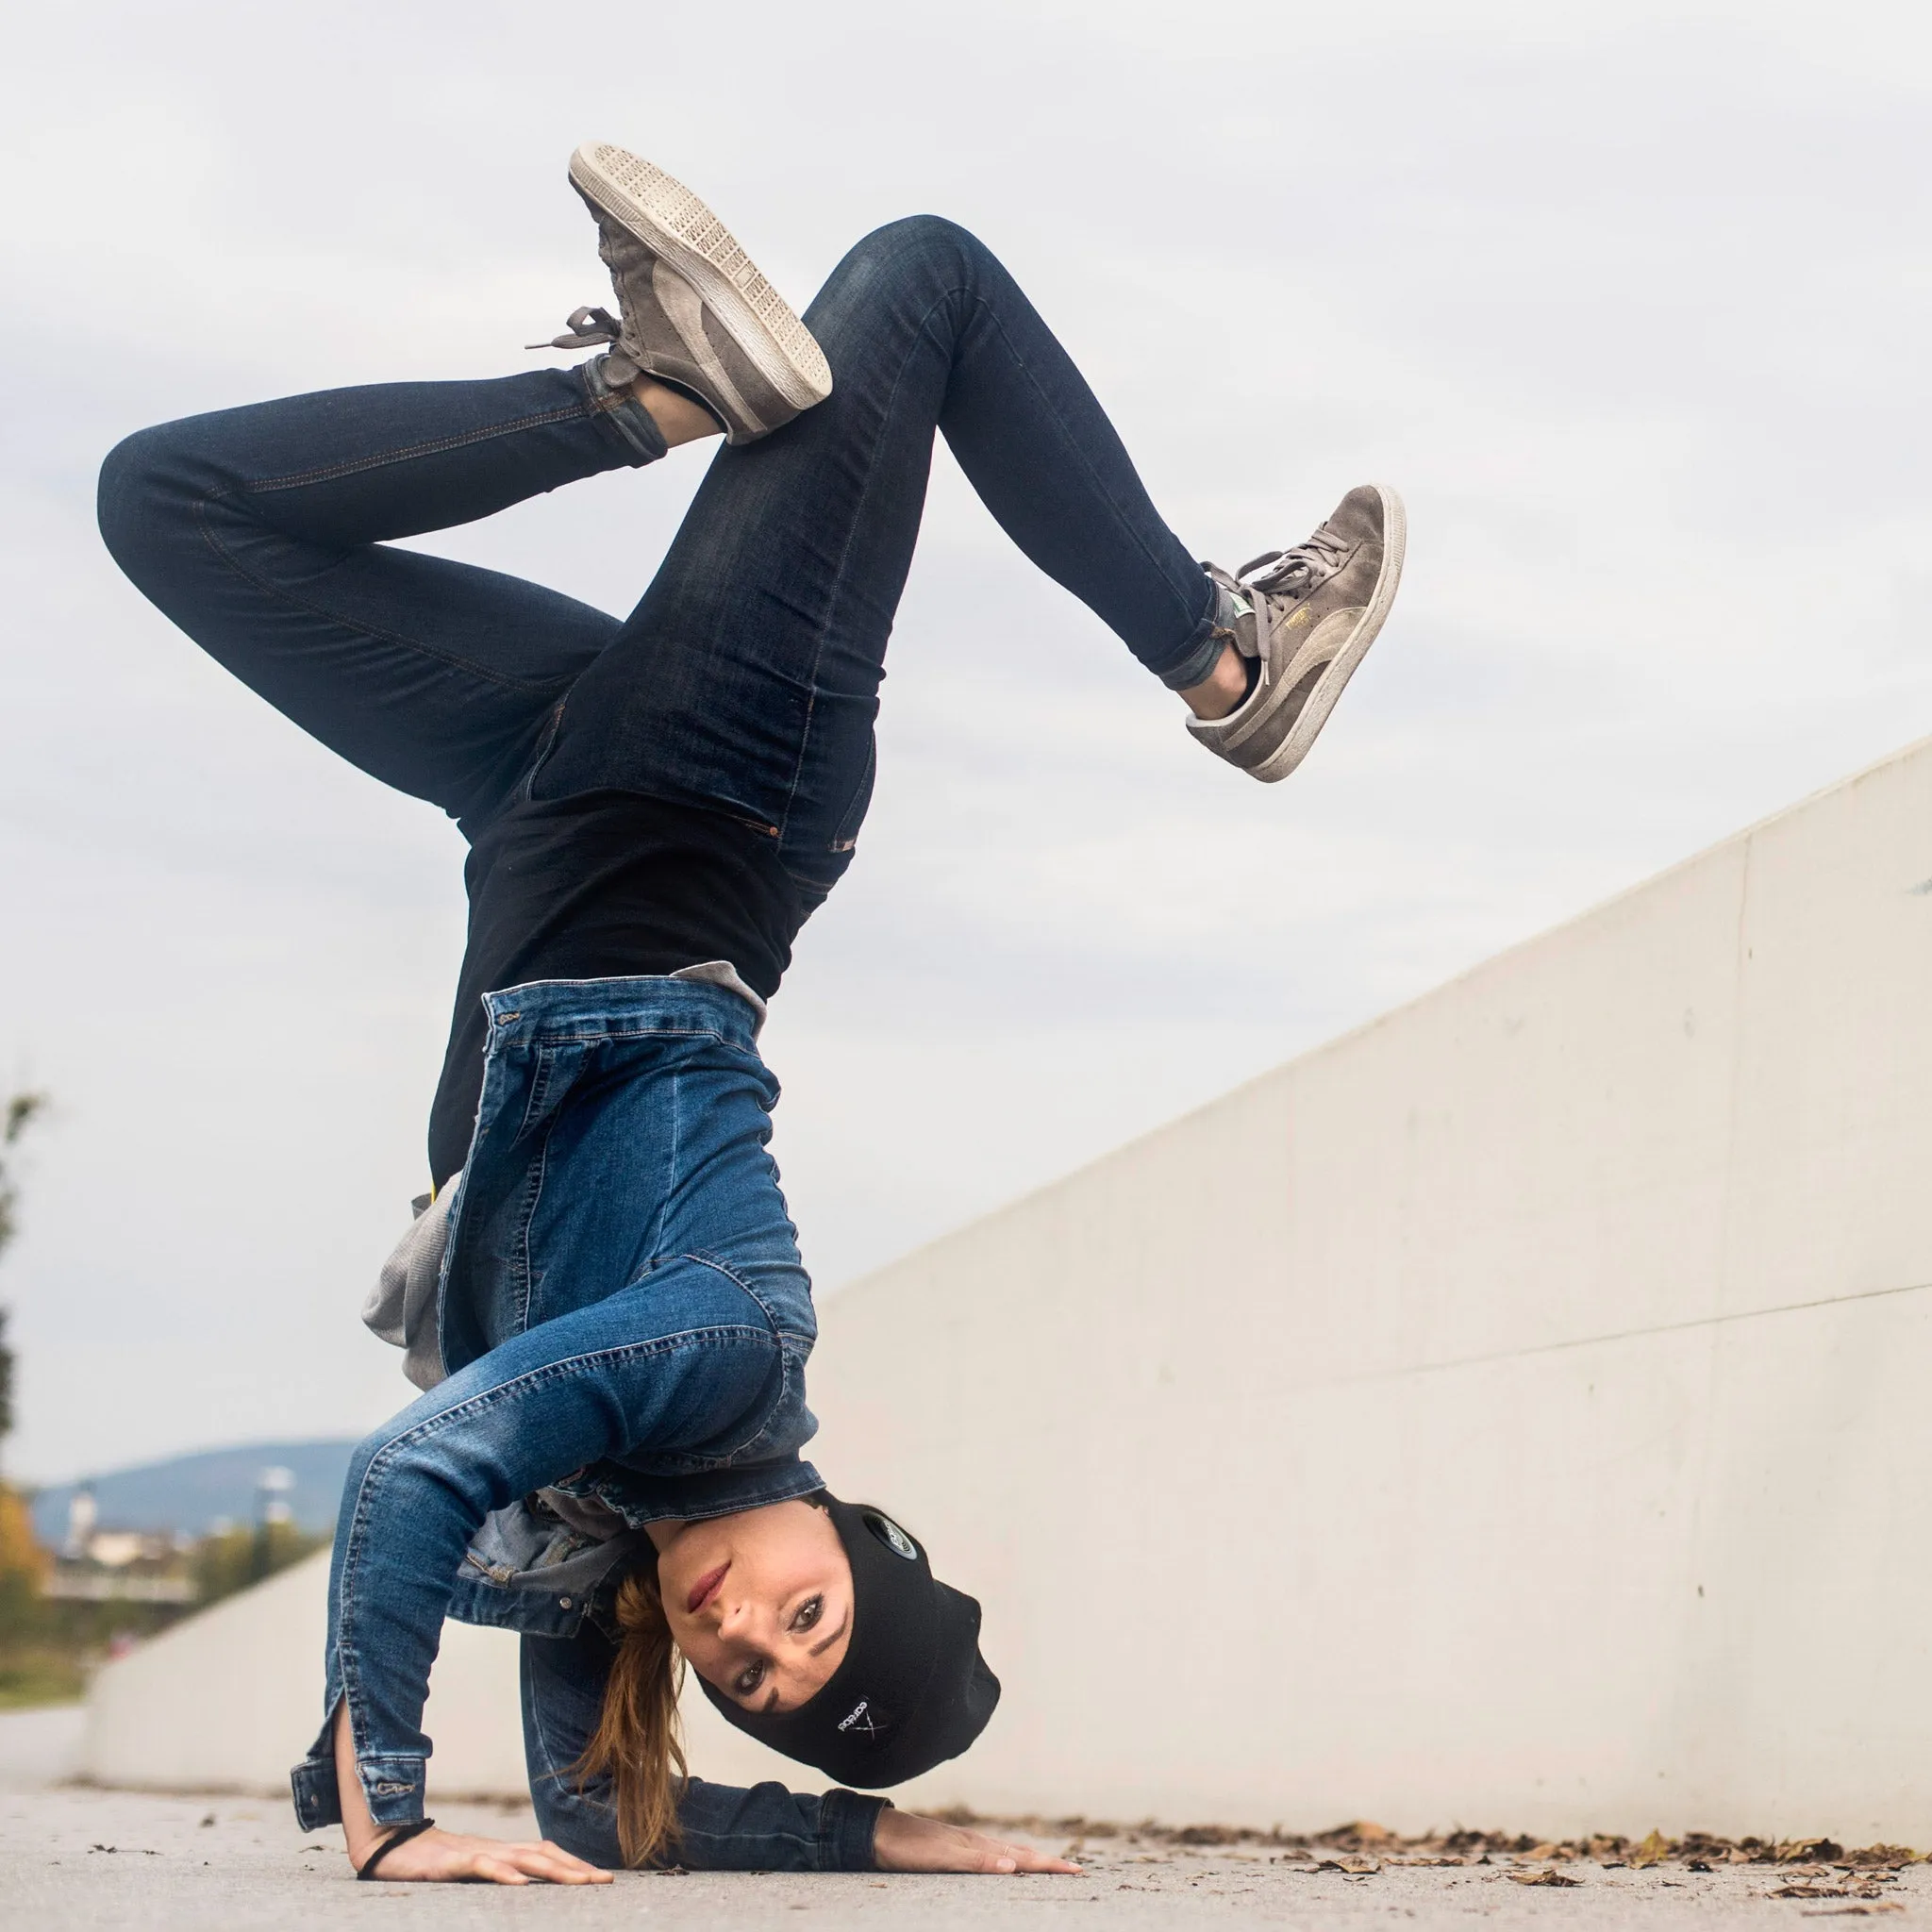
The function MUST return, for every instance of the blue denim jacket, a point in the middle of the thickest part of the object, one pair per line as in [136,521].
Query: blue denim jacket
[625,1318]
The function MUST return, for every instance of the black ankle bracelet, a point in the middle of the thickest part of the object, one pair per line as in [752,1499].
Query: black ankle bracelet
[401,1835]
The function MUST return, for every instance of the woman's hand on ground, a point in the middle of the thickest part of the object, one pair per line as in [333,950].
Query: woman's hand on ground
[907,1842]
[446,1856]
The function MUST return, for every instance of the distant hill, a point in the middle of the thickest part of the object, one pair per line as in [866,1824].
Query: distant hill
[188,1492]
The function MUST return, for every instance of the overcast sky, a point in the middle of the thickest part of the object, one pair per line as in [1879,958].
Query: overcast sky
[1629,301]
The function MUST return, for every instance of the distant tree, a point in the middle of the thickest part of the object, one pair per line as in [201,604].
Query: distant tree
[234,1560]
[21,1110]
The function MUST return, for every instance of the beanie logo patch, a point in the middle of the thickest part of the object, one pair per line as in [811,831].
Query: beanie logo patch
[892,1536]
[859,1717]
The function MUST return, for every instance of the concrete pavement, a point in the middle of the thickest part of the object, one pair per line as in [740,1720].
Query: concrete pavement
[86,1861]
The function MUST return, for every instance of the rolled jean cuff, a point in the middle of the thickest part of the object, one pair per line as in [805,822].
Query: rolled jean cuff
[623,414]
[317,1800]
[391,1787]
[848,1821]
[1202,651]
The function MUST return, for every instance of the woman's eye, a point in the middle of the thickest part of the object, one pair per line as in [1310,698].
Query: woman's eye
[750,1678]
[809,1611]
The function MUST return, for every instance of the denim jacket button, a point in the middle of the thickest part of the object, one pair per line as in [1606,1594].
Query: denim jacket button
[563,1603]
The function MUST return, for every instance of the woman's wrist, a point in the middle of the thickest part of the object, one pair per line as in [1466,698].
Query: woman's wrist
[361,1834]
[391,1837]
[360,1840]
[872,1835]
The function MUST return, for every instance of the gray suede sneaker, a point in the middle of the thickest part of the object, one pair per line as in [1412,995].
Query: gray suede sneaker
[695,313]
[1306,617]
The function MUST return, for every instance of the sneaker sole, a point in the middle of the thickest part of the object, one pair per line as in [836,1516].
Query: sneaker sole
[670,220]
[1328,687]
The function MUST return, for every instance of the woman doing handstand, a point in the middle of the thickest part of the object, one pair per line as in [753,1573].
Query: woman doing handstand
[603,1300]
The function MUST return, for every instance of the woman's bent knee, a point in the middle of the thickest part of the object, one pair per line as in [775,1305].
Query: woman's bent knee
[927,233]
[919,239]
[142,497]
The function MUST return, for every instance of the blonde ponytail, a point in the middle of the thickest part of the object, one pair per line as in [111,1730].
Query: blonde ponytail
[638,1739]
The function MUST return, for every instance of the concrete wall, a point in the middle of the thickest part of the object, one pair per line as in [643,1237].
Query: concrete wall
[231,1699]
[1512,1412]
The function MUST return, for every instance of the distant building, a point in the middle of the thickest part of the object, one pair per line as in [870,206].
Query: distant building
[272,1488]
[83,1514]
[99,1565]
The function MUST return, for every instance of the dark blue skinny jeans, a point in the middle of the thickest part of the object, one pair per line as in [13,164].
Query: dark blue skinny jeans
[747,678]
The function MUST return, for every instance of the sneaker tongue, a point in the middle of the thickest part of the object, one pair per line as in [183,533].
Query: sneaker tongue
[1235,614]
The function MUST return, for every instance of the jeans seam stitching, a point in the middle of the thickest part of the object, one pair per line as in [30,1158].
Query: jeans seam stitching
[615,1036]
[1072,444]
[657,1233]
[845,556]
[777,1335]
[713,1335]
[331,471]
[537,1173]
[553,1772]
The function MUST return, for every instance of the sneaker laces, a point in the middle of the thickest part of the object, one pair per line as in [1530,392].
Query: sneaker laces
[585,328]
[1267,588]
[1296,571]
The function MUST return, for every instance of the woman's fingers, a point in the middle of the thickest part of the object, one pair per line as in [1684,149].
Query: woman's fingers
[497,1871]
[903,1841]
[552,1863]
[1007,1857]
[557,1851]
[1027,1859]
[581,1870]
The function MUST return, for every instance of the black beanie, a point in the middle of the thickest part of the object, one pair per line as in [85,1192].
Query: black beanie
[912,1689]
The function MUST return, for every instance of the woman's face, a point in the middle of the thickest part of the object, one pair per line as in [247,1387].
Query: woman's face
[759,1602]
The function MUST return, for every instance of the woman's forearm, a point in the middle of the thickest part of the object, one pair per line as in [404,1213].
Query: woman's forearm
[445,1857]
[667,1364]
[359,1831]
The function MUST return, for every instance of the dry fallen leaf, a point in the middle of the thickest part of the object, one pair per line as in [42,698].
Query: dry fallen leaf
[1653,1850]
[1549,1875]
[1808,1891]
[1803,1851]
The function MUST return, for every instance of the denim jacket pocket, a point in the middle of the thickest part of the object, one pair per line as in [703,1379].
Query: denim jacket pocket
[541,1578]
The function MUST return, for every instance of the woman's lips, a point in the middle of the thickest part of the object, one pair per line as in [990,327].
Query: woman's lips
[705,1588]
